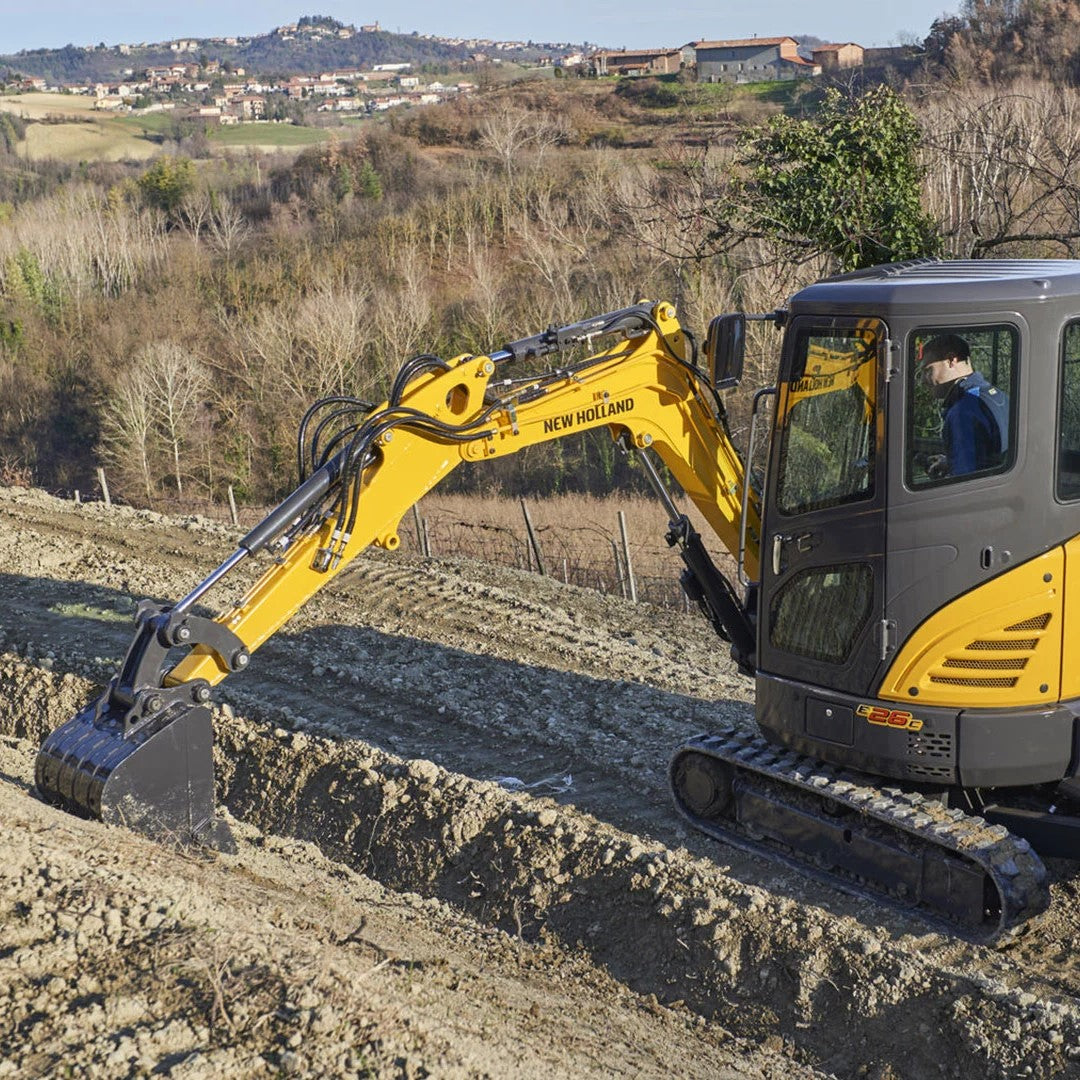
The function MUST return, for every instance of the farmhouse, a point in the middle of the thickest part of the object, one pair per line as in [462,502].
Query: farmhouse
[835,57]
[621,62]
[249,106]
[751,60]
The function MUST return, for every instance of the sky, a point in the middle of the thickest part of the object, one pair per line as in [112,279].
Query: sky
[48,24]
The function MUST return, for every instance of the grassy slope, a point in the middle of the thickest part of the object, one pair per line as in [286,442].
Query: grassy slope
[76,131]
[273,135]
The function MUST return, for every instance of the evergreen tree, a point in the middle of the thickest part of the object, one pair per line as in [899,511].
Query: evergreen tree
[368,183]
[846,182]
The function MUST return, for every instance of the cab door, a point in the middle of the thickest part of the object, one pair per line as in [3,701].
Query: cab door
[823,536]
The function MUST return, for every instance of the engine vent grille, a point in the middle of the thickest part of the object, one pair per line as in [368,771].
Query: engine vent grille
[959,667]
[1036,622]
[992,684]
[1010,645]
[930,772]
[980,664]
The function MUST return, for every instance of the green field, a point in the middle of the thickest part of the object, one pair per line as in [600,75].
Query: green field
[146,123]
[277,136]
[68,128]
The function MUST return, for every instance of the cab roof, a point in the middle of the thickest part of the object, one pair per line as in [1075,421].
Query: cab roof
[928,284]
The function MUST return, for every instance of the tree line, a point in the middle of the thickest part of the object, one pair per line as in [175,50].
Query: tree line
[265,54]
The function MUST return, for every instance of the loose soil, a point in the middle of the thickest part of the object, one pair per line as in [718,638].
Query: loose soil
[457,854]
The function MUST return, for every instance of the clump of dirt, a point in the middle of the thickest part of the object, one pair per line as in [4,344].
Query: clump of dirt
[457,854]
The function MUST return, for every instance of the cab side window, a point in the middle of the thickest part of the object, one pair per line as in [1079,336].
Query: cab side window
[1068,461]
[961,403]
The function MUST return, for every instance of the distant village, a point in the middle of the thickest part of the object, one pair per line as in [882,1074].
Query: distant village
[220,93]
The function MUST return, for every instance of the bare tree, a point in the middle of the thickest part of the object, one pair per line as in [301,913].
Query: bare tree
[488,309]
[1003,169]
[507,132]
[227,226]
[129,435]
[84,244]
[404,315]
[287,355]
[177,383]
[195,210]
[150,415]
[510,131]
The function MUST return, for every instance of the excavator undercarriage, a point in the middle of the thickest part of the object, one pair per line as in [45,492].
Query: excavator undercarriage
[883,842]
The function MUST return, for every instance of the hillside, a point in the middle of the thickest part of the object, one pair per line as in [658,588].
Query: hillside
[310,48]
[457,854]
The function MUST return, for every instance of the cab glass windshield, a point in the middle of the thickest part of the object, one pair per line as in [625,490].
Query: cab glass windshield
[828,408]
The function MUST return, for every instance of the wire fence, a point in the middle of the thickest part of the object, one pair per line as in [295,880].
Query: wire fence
[600,544]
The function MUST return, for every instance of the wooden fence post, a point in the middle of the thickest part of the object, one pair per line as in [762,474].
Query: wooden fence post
[532,539]
[232,507]
[620,580]
[104,486]
[626,557]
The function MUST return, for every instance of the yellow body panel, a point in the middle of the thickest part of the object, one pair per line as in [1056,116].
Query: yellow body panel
[998,646]
[642,386]
[1070,638]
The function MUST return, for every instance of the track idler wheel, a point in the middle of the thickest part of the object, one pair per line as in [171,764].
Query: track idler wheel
[704,785]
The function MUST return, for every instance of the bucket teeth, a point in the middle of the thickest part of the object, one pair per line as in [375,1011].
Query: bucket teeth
[158,780]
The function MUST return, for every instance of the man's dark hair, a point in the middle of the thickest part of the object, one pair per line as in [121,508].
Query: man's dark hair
[943,347]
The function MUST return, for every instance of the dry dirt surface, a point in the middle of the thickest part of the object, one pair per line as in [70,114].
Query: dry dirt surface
[457,854]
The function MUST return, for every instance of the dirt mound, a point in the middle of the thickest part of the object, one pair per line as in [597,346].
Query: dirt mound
[457,856]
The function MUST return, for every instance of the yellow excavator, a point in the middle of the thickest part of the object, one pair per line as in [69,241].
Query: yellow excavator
[912,630]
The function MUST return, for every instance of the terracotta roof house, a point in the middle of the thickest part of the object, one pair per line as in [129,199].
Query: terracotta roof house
[751,60]
[640,62]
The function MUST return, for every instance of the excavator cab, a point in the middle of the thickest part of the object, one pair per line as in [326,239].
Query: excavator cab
[915,609]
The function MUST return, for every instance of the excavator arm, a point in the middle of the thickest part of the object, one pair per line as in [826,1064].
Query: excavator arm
[644,388]
[140,754]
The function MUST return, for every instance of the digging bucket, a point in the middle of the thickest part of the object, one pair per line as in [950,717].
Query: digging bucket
[157,778]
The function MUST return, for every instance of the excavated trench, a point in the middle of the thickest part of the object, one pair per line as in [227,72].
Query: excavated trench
[658,919]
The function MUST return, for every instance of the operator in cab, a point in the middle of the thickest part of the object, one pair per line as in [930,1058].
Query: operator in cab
[974,412]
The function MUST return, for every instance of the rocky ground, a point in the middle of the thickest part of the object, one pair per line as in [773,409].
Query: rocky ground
[457,855]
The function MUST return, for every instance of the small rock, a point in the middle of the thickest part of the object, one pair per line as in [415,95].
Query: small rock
[292,1062]
[424,771]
